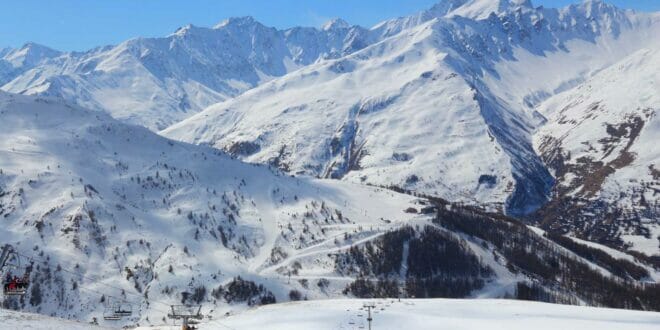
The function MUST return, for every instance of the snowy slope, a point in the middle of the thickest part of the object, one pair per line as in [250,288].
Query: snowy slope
[18,320]
[600,140]
[106,212]
[433,314]
[158,81]
[348,119]
[393,314]
[115,206]
[441,89]
[14,62]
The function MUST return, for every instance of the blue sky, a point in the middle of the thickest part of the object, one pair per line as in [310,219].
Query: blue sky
[83,24]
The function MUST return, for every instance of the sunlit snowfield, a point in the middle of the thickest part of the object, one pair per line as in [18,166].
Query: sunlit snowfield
[452,314]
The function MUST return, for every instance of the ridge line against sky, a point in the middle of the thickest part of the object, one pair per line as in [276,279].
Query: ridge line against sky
[79,25]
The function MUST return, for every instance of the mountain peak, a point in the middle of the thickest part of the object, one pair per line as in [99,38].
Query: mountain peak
[35,47]
[30,53]
[335,23]
[591,8]
[477,9]
[237,21]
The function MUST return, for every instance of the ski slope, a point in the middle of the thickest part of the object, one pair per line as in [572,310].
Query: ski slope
[392,314]
[433,314]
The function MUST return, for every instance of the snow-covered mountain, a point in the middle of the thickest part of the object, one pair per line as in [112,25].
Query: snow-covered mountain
[14,62]
[443,105]
[600,141]
[381,162]
[156,82]
[104,212]
[105,207]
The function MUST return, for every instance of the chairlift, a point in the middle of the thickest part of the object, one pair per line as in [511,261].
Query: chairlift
[124,309]
[111,316]
[116,310]
[10,266]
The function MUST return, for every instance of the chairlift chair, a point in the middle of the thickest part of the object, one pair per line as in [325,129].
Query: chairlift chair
[9,291]
[124,309]
[116,310]
[10,261]
[109,314]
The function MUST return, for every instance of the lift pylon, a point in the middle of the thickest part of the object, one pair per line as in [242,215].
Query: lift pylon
[188,314]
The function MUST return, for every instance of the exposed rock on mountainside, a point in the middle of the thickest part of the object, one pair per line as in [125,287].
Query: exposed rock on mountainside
[600,143]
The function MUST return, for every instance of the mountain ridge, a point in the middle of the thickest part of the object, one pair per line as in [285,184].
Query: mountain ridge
[533,40]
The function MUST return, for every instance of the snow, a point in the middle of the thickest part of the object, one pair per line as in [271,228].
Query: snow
[155,82]
[453,102]
[655,274]
[458,98]
[433,314]
[578,119]
[69,179]
[18,320]
[392,314]
[335,23]
[649,245]
[481,9]
[382,116]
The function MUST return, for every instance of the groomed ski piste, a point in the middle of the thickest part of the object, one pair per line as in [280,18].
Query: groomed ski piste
[455,314]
